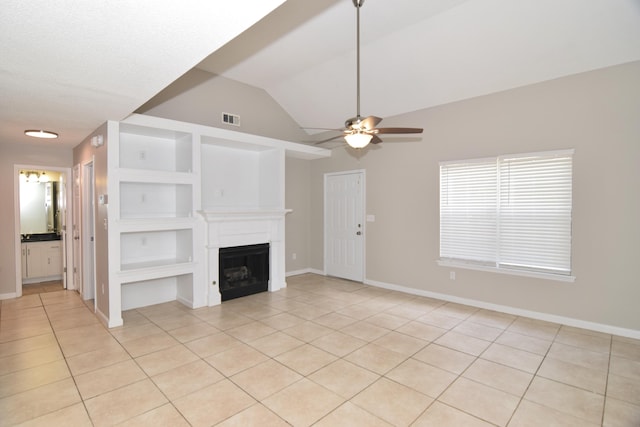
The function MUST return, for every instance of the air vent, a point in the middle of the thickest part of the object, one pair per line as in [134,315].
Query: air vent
[231,119]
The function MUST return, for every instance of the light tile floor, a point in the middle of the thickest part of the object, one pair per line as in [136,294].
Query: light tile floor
[322,352]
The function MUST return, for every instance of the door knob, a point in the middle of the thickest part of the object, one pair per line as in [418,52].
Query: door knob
[358,233]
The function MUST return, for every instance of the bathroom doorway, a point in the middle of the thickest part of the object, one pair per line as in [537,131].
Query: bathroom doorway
[42,244]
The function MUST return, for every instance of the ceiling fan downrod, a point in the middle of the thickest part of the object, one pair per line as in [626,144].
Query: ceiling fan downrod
[358,4]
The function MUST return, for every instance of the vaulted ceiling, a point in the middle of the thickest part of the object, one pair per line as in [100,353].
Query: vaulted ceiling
[68,66]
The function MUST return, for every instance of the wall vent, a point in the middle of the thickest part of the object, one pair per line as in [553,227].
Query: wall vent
[231,119]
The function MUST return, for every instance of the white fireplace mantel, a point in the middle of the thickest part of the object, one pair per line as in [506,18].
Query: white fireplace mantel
[236,227]
[235,214]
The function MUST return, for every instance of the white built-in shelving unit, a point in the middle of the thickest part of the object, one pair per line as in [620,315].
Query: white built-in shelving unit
[180,191]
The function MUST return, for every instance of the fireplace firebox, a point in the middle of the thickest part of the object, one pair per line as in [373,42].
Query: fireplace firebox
[243,270]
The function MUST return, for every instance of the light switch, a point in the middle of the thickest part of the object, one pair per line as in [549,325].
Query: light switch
[371,218]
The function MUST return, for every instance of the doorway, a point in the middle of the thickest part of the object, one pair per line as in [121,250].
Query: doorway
[50,225]
[344,201]
[87,235]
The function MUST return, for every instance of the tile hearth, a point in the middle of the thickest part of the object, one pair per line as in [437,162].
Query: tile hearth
[323,352]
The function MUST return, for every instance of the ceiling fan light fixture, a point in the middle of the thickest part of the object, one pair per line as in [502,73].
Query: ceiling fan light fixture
[359,131]
[40,133]
[358,139]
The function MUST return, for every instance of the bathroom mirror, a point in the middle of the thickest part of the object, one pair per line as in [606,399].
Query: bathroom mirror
[39,213]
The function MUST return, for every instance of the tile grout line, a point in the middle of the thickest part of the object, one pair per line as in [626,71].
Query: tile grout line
[73,378]
[606,384]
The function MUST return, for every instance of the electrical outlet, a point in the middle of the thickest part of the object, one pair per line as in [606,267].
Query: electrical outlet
[452,275]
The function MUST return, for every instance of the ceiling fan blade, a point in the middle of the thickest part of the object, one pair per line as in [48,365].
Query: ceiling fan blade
[328,139]
[370,122]
[375,139]
[399,130]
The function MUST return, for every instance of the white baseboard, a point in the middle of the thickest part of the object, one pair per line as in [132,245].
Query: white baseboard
[185,302]
[103,319]
[304,271]
[569,321]
[10,295]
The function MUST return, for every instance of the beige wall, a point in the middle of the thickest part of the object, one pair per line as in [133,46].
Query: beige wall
[201,97]
[10,155]
[595,113]
[82,154]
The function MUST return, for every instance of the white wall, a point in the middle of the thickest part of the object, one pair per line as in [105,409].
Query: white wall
[596,113]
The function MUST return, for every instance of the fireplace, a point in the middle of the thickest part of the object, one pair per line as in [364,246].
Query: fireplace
[234,228]
[243,270]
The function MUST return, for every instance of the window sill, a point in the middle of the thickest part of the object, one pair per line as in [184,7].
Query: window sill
[513,272]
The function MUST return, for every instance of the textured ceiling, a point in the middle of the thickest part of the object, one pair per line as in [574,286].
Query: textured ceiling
[69,65]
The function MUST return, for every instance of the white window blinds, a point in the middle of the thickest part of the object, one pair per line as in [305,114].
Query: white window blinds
[510,212]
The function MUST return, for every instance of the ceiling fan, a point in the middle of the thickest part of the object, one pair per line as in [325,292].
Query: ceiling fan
[360,131]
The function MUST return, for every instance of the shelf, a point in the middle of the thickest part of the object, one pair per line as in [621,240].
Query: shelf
[155,200]
[243,179]
[142,291]
[154,224]
[155,177]
[155,248]
[155,149]
[153,271]
[211,215]
[141,266]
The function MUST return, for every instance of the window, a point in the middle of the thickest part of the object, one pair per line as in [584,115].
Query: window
[510,213]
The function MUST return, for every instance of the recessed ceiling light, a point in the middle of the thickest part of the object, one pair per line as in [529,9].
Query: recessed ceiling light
[40,133]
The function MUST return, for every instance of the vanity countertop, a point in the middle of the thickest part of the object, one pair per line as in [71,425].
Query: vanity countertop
[39,237]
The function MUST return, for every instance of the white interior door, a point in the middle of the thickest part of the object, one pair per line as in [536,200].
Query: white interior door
[88,228]
[61,218]
[344,225]
[75,230]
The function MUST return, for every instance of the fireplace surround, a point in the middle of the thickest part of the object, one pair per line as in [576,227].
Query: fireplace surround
[234,228]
